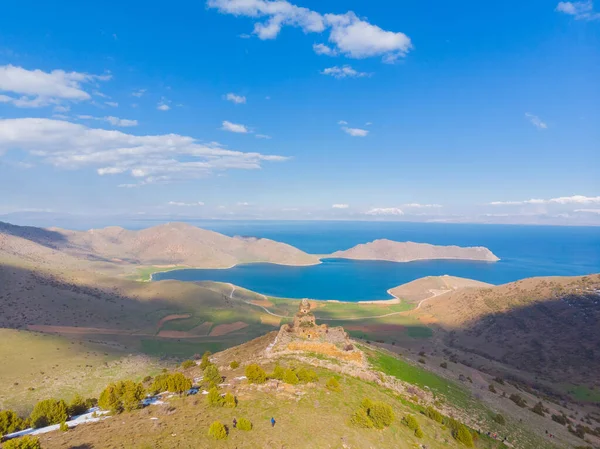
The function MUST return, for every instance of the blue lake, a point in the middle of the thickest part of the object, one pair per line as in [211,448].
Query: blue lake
[525,251]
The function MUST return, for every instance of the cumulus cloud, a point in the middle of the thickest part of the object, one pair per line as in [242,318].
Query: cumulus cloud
[348,34]
[138,93]
[180,203]
[234,127]
[355,132]
[340,206]
[343,72]
[421,206]
[148,158]
[115,121]
[575,199]
[36,88]
[322,49]
[342,122]
[583,10]
[384,211]
[237,99]
[163,105]
[112,104]
[536,121]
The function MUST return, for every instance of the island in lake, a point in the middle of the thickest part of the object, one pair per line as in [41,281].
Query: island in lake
[392,251]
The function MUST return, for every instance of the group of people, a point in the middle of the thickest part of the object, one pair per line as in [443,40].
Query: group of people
[272,422]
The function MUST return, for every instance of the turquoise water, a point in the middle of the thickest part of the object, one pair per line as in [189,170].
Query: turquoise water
[525,251]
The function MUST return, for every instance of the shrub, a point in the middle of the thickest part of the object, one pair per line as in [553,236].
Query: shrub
[205,360]
[230,401]
[235,364]
[381,414]
[333,384]
[214,398]
[492,388]
[160,383]
[517,399]
[433,414]
[290,377]
[499,419]
[244,424]
[307,375]
[561,419]
[411,422]
[47,412]
[538,409]
[25,442]
[188,364]
[419,433]
[256,374]
[444,365]
[10,422]
[77,406]
[63,426]
[212,376]
[278,372]
[132,394]
[360,418]
[499,380]
[422,361]
[463,435]
[217,430]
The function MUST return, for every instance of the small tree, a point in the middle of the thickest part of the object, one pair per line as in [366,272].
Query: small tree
[77,406]
[25,442]
[289,377]
[333,384]
[178,383]
[411,422]
[205,360]
[217,430]
[492,388]
[517,399]
[463,435]
[109,399]
[234,365]
[10,422]
[63,426]
[500,419]
[244,424]
[419,433]
[538,409]
[132,394]
[278,372]
[212,376]
[255,374]
[186,364]
[48,412]
[160,383]
[444,365]
[360,418]
[230,401]
[432,413]
[214,398]
[307,375]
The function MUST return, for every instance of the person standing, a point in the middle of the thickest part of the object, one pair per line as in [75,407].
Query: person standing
[272,422]
[234,423]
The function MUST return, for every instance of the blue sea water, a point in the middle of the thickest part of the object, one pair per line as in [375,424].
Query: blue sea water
[525,251]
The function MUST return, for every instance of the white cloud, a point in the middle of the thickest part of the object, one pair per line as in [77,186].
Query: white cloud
[237,99]
[422,206]
[368,123]
[350,35]
[163,105]
[385,211]
[343,72]
[115,121]
[536,121]
[340,206]
[38,88]
[355,132]
[322,49]
[148,158]
[138,93]
[583,10]
[112,104]
[244,204]
[342,122]
[61,109]
[575,199]
[588,211]
[262,136]
[179,203]
[234,127]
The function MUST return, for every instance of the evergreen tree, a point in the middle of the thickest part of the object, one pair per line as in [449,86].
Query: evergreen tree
[48,412]
[10,422]
[25,442]
[212,376]
[256,374]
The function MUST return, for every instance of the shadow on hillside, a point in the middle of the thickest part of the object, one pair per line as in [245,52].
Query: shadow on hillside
[41,236]
[556,340]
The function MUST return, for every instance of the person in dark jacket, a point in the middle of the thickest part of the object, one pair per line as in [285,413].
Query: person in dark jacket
[272,422]
[234,423]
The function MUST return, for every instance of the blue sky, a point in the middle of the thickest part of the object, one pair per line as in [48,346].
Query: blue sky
[407,110]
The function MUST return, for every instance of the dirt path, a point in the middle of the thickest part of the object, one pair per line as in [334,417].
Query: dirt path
[257,305]
[434,294]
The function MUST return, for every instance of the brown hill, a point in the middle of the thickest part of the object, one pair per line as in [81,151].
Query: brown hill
[548,326]
[390,250]
[420,290]
[169,244]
